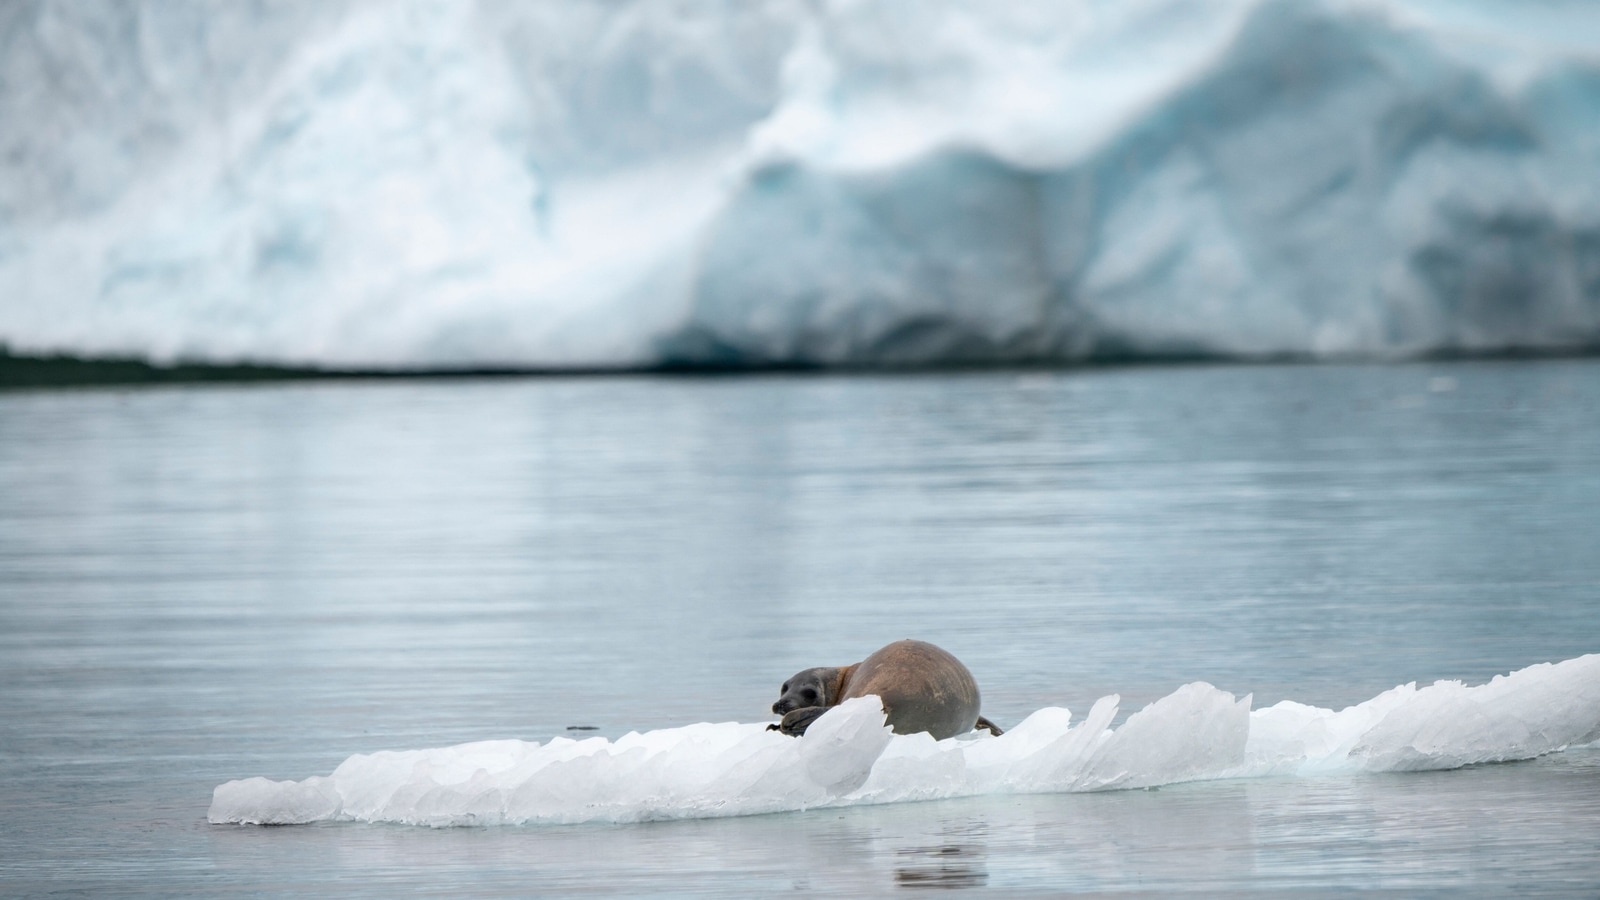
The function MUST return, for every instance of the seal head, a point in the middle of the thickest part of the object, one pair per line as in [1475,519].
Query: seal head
[810,687]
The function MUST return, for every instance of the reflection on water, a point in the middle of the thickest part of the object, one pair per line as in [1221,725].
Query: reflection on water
[947,865]
[205,583]
[1523,825]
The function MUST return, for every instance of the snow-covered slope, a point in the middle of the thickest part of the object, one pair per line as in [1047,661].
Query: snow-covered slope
[431,183]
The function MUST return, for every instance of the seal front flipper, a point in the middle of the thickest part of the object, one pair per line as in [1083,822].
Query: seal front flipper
[797,721]
[985,723]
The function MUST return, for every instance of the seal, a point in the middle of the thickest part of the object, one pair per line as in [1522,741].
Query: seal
[923,688]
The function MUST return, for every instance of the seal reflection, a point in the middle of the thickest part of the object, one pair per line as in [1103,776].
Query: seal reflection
[944,866]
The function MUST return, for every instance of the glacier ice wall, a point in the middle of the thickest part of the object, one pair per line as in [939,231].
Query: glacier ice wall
[849,757]
[425,183]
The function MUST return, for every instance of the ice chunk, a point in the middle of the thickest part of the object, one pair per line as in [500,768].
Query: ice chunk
[1194,733]
[1531,712]
[260,801]
[1047,755]
[839,748]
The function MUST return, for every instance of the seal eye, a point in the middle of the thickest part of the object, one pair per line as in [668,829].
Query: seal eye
[784,689]
[808,695]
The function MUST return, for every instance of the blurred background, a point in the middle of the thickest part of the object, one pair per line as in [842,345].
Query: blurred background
[531,185]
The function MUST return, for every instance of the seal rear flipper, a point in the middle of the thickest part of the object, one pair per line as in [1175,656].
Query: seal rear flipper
[797,721]
[985,723]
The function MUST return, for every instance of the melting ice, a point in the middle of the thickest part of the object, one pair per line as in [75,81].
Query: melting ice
[439,183]
[849,757]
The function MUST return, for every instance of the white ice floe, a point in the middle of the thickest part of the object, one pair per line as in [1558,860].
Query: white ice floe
[849,757]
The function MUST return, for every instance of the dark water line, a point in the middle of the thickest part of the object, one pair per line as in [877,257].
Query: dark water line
[29,371]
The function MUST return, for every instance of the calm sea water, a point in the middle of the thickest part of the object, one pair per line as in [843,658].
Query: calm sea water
[214,582]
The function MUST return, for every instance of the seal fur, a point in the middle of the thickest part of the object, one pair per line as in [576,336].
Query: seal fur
[923,688]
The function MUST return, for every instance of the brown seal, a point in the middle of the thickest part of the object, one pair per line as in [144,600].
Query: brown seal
[923,688]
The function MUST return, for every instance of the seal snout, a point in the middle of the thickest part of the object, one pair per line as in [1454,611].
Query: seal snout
[787,703]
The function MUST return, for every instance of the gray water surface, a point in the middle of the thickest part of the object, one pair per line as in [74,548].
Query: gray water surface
[213,582]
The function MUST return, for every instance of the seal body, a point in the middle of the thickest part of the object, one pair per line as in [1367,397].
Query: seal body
[923,688]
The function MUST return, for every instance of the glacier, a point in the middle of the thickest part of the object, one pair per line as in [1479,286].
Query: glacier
[429,184]
[849,757]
